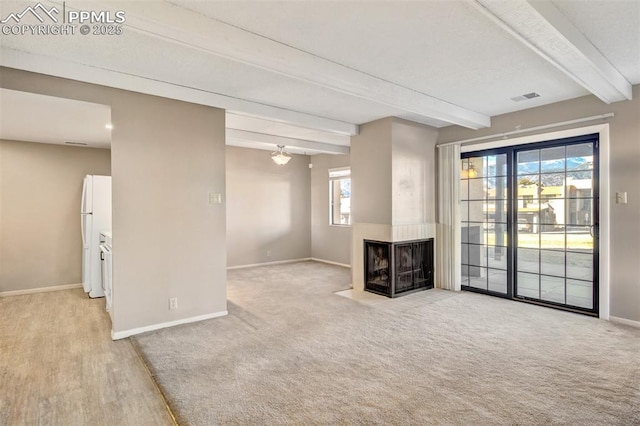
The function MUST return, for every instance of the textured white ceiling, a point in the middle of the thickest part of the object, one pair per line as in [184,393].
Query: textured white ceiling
[31,117]
[613,26]
[155,59]
[46,119]
[442,48]
[328,65]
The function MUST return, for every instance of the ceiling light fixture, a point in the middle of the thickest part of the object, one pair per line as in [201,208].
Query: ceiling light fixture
[108,126]
[280,157]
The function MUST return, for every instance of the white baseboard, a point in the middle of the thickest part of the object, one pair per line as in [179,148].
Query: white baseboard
[625,321]
[344,265]
[127,333]
[39,290]
[277,262]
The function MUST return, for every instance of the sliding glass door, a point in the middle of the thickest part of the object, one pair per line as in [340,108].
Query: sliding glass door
[530,223]
[557,225]
[484,212]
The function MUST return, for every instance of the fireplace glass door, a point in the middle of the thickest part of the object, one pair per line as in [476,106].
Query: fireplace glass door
[378,267]
[395,269]
[412,270]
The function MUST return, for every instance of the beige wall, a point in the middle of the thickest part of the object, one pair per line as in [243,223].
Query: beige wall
[40,190]
[269,208]
[168,241]
[413,173]
[624,176]
[331,243]
[371,173]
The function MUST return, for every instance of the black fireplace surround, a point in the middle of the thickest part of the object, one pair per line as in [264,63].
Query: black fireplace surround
[397,269]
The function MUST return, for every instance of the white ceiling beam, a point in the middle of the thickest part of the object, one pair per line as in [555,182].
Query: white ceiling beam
[241,121]
[233,136]
[544,29]
[177,24]
[48,65]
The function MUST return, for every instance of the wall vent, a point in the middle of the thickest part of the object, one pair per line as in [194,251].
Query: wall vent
[76,143]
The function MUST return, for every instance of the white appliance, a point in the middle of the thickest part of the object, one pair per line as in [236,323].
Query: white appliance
[105,258]
[95,214]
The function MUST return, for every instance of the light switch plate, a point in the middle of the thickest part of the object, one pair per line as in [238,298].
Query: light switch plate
[621,198]
[215,198]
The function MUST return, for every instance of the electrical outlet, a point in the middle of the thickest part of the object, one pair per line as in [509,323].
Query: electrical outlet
[268,253]
[173,303]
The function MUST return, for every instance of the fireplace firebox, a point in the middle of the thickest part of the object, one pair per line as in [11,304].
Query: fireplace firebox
[396,269]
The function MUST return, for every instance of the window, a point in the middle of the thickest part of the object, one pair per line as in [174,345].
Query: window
[340,196]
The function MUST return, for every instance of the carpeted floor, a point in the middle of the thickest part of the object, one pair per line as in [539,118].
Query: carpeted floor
[293,352]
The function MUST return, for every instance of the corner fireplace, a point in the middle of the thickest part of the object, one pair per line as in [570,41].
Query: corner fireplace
[397,269]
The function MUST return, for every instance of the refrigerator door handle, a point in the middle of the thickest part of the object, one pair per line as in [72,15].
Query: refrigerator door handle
[84,239]
[83,210]
[83,219]
[84,191]
[84,195]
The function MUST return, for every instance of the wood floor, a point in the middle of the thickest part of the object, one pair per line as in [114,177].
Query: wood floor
[59,366]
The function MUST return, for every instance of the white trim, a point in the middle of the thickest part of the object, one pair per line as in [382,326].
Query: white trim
[605,225]
[344,265]
[277,262]
[340,169]
[39,290]
[117,335]
[538,137]
[604,249]
[504,135]
[625,321]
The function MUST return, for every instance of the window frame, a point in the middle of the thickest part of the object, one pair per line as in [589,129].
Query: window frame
[336,175]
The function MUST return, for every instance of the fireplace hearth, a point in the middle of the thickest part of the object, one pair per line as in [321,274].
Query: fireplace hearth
[396,269]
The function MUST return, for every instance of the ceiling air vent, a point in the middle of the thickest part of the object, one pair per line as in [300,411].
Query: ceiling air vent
[76,143]
[525,97]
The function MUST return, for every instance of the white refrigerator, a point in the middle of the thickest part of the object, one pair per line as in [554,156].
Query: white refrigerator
[95,217]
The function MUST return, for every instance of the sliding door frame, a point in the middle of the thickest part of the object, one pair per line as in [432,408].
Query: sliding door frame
[601,305]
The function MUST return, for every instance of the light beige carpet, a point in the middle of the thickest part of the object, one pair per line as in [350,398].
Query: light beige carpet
[293,352]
